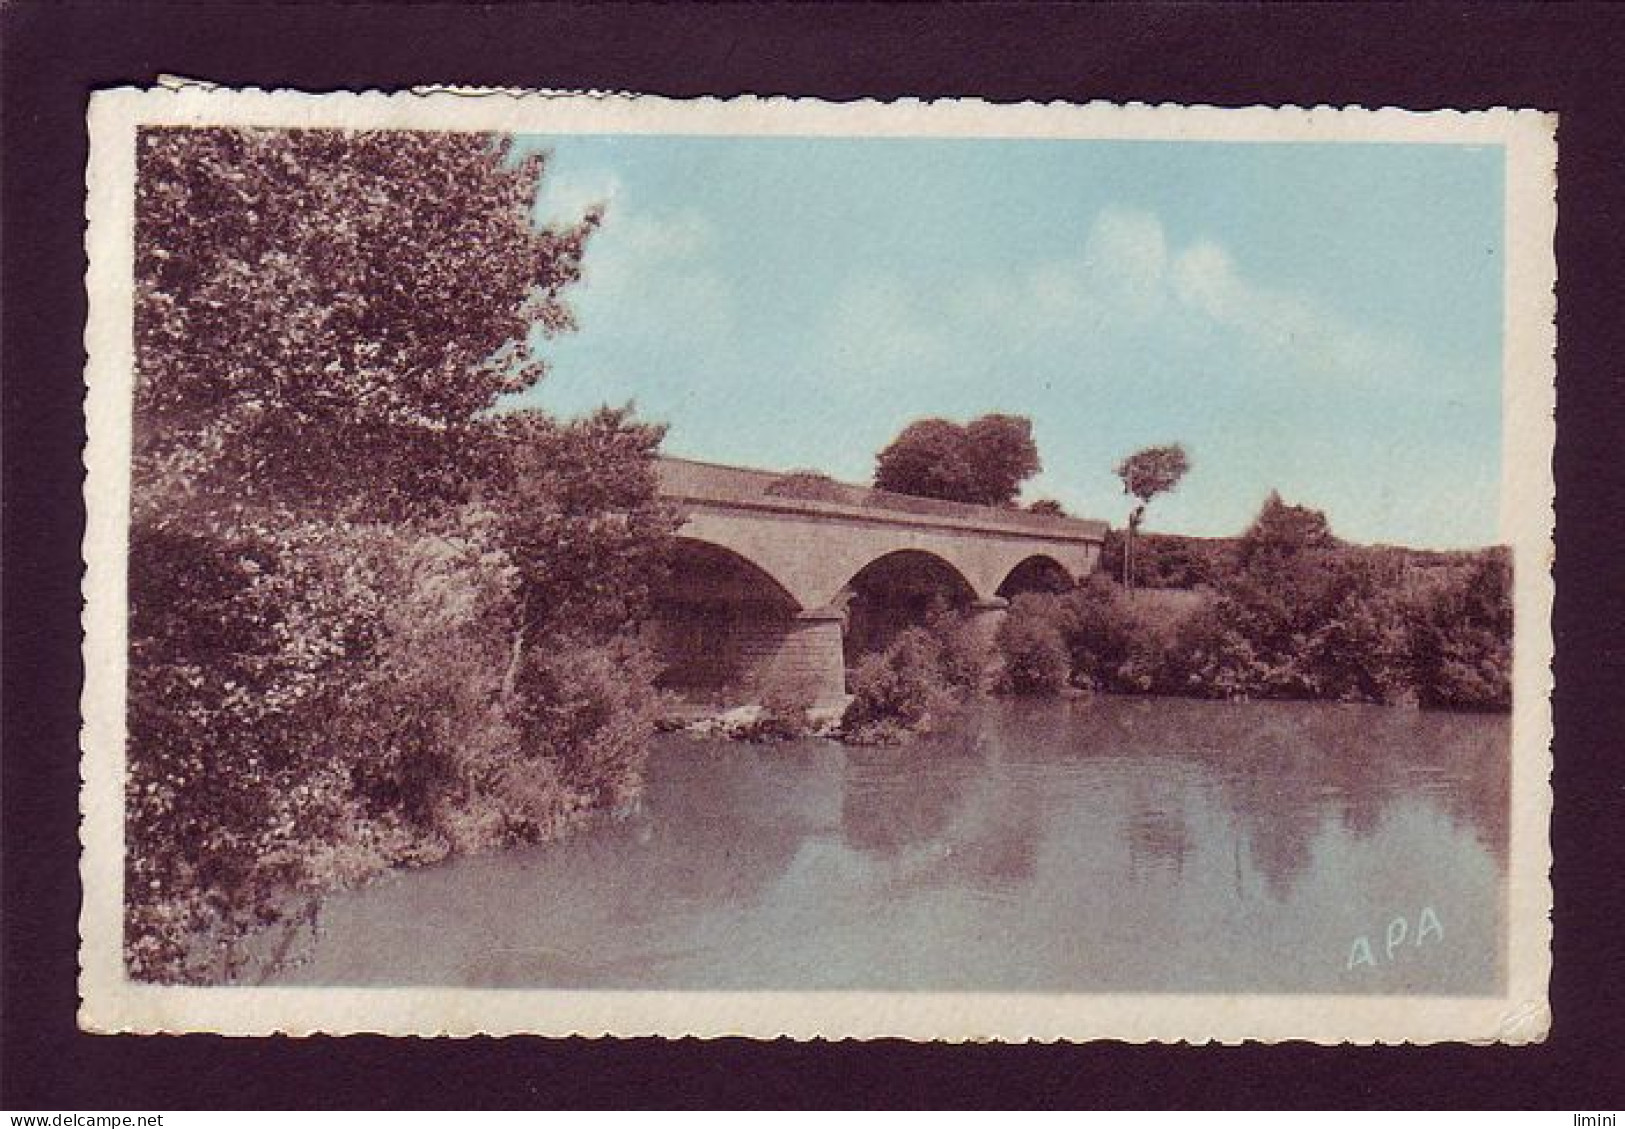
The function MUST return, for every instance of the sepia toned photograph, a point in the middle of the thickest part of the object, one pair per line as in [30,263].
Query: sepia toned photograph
[606,565]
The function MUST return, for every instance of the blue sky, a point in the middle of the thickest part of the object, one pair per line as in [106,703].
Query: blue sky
[1324,320]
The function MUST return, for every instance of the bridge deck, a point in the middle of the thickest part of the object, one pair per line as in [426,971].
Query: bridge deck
[689,480]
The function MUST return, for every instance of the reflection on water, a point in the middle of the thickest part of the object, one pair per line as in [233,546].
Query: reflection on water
[1106,844]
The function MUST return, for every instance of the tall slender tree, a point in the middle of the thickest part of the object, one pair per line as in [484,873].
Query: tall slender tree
[1146,474]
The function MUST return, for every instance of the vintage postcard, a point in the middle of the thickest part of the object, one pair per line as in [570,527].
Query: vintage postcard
[602,564]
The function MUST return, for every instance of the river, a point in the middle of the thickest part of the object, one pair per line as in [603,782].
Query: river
[1099,844]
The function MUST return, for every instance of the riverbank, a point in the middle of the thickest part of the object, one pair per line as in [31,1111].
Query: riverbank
[756,723]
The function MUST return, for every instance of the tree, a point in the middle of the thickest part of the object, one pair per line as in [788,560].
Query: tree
[1030,642]
[371,621]
[589,536]
[1281,533]
[1002,454]
[983,462]
[1146,474]
[1049,507]
[319,308]
[1461,637]
[1300,615]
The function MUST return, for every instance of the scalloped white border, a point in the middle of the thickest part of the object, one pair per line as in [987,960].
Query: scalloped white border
[111,1003]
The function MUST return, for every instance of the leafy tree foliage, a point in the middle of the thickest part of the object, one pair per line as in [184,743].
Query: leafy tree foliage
[898,691]
[1461,639]
[1030,643]
[983,462]
[1283,536]
[1289,611]
[581,517]
[1296,613]
[1153,471]
[1002,453]
[320,309]
[1296,618]
[917,681]
[589,537]
[1169,560]
[1101,635]
[811,485]
[371,622]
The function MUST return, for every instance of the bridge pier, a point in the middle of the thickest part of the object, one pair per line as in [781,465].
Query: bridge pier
[811,656]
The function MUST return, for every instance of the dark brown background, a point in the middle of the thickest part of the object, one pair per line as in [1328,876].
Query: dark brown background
[1562,57]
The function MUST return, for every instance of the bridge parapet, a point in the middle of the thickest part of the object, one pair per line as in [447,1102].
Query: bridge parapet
[688,480]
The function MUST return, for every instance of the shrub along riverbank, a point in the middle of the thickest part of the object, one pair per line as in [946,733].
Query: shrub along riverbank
[1290,613]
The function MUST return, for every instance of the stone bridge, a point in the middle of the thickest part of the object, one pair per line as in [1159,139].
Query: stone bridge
[782,579]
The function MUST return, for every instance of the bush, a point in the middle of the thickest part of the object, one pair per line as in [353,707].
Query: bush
[1209,657]
[1099,629]
[786,706]
[302,695]
[1357,653]
[902,689]
[589,707]
[1034,653]
[964,655]
[313,702]
[1167,560]
[1305,616]
[1320,634]
[920,678]
[810,485]
[1460,639]
[1298,615]
[1294,613]
[198,824]
[1108,643]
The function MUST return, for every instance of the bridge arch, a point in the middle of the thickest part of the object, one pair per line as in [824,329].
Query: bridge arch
[916,571]
[896,590]
[698,564]
[718,618]
[1039,572]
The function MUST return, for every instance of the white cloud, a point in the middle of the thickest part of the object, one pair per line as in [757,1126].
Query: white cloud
[651,302]
[636,251]
[1125,262]
[1204,279]
[1127,280]
[645,260]
[1291,330]
[639,249]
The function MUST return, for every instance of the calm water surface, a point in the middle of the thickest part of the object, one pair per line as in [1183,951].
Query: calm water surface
[1104,844]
